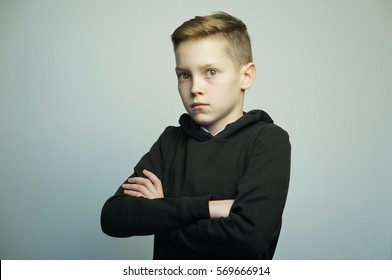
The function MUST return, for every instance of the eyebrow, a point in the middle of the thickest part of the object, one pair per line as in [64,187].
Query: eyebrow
[208,65]
[180,69]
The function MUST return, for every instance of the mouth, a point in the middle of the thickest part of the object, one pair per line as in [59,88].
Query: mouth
[198,105]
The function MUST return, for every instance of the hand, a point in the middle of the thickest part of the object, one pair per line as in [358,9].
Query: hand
[150,187]
[220,208]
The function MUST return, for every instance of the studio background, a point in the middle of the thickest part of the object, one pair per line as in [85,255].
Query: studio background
[86,87]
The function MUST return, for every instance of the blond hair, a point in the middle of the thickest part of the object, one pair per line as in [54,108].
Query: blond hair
[222,26]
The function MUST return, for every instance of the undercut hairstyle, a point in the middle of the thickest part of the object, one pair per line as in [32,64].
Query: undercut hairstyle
[222,26]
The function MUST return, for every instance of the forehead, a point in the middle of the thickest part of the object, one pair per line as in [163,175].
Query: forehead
[201,51]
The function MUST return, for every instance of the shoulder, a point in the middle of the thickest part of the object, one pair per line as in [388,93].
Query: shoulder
[171,134]
[270,129]
[270,134]
[171,131]
[259,123]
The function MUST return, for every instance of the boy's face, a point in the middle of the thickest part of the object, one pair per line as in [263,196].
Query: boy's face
[211,88]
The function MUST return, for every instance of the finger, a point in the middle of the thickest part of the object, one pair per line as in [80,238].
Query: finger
[138,180]
[151,176]
[137,188]
[154,180]
[133,193]
[144,182]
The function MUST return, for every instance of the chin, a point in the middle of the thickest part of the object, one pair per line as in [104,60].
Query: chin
[200,120]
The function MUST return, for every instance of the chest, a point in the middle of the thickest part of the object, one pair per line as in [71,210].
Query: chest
[200,168]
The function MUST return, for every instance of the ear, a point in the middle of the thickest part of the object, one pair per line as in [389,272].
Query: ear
[248,72]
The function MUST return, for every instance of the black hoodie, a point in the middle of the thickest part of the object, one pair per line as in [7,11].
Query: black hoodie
[248,161]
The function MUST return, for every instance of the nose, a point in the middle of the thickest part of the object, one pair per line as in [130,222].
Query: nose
[196,88]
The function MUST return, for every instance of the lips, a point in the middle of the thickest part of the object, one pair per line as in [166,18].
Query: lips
[198,105]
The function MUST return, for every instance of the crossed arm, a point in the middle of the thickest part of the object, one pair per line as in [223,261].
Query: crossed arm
[250,224]
[151,188]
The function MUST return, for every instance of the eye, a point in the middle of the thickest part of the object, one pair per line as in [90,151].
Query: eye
[183,76]
[211,72]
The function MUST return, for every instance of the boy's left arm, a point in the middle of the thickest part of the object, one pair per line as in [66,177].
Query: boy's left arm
[255,218]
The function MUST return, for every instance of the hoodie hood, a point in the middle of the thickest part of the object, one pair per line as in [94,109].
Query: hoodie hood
[193,129]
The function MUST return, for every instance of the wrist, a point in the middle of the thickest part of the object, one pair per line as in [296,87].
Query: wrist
[220,208]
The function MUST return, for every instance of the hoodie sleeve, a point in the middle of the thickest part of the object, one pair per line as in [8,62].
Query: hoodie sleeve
[253,226]
[124,216]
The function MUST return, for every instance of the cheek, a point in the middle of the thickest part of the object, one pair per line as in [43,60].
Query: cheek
[183,92]
[180,88]
[223,87]
[183,86]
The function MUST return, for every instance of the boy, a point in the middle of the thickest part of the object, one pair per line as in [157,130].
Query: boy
[215,187]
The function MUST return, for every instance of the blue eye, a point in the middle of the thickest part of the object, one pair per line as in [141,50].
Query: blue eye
[211,72]
[183,76]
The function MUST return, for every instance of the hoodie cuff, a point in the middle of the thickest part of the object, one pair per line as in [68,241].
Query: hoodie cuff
[193,209]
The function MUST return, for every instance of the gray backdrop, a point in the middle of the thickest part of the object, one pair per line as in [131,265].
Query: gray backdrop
[86,87]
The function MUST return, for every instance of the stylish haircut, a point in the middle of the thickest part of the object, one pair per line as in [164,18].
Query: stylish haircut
[218,25]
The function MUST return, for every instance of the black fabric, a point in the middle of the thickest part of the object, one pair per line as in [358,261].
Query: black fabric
[248,161]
